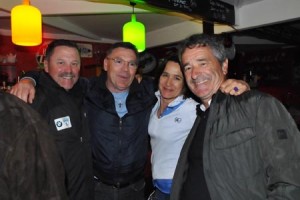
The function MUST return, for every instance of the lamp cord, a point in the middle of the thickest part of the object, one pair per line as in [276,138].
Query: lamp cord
[132,4]
[26,2]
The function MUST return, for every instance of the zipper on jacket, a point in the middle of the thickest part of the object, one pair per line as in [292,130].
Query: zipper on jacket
[81,139]
[120,124]
[118,163]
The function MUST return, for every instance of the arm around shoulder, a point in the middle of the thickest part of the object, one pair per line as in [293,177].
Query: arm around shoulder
[24,89]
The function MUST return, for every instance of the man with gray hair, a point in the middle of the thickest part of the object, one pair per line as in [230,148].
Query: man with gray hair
[242,147]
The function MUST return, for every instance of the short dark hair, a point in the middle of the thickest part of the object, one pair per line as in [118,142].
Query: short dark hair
[59,42]
[198,40]
[126,45]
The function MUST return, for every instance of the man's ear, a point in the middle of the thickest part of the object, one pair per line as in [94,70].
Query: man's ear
[46,67]
[105,64]
[225,67]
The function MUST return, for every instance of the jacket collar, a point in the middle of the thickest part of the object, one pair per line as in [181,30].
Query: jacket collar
[138,98]
[134,88]
[216,98]
[46,81]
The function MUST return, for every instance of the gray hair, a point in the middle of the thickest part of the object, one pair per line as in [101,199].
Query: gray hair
[202,40]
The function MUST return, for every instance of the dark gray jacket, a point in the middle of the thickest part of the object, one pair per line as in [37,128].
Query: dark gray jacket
[251,150]
[30,167]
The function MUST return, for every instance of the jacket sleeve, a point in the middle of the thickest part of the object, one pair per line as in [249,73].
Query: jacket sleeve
[279,141]
[33,75]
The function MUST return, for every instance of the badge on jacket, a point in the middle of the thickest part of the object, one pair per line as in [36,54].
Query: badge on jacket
[63,123]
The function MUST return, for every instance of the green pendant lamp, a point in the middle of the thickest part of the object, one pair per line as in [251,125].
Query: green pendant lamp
[134,32]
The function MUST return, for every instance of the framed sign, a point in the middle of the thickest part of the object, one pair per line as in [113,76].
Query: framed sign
[86,50]
[211,10]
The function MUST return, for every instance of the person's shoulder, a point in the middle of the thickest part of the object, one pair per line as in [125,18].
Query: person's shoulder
[148,84]
[14,107]
[83,82]
[7,99]
[192,101]
[254,93]
[147,79]
[190,106]
[94,83]
[253,97]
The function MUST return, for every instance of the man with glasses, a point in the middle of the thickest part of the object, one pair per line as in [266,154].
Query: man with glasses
[118,109]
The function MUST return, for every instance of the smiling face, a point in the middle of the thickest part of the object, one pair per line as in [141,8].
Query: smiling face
[120,69]
[64,66]
[203,72]
[171,82]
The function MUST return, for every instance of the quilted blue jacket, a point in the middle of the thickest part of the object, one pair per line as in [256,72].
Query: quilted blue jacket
[119,145]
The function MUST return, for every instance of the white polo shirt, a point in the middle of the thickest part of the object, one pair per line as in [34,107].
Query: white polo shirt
[168,134]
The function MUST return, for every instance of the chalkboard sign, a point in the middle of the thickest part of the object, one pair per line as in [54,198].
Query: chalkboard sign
[210,10]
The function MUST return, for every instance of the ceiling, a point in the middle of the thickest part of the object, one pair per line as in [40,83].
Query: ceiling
[257,21]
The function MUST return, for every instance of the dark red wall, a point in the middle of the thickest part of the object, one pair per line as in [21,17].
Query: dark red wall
[26,56]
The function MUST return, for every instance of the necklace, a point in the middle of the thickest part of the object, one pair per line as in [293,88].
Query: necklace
[120,99]
[120,104]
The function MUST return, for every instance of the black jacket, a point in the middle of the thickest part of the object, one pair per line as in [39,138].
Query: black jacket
[251,150]
[119,144]
[30,167]
[64,112]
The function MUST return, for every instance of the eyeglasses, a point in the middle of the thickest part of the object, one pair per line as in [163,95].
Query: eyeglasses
[120,62]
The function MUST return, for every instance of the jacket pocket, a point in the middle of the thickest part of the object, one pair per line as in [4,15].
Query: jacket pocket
[236,154]
[232,137]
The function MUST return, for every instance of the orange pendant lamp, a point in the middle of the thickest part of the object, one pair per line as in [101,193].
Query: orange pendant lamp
[26,25]
[134,32]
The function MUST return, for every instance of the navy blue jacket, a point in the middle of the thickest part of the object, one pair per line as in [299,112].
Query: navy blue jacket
[119,145]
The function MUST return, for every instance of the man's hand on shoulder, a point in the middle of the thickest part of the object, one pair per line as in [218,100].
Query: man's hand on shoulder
[24,90]
[234,87]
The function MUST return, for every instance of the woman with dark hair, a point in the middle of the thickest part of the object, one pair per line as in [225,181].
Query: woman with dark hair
[170,122]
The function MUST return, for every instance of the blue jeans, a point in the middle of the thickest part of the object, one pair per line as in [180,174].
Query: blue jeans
[158,195]
[134,191]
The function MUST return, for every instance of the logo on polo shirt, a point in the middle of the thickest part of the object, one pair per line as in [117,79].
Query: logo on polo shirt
[177,119]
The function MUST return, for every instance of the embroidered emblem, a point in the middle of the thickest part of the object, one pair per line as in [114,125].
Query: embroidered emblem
[282,135]
[62,123]
[177,120]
